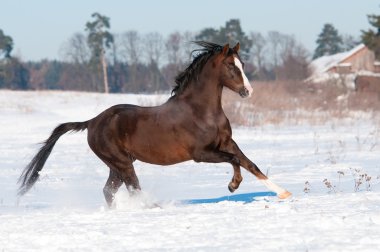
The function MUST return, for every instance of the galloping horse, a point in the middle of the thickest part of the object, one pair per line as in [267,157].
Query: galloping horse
[191,125]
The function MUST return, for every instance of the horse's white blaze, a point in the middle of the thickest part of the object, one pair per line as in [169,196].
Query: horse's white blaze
[273,187]
[247,85]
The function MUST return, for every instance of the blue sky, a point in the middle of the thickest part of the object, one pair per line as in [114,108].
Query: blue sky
[40,27]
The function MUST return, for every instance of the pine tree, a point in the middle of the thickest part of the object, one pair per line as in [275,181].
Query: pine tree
[329,42]
[231,33]
[371,38]
[98,39]
[13,74]
[6,45]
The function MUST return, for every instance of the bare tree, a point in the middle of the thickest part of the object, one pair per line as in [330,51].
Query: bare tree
[154,47]
[349,42]
[131,46]
[187,45]
[294,60]
[258,49]
[76,49]
[287,47]
[274,39]
[77,75]
[173,45]
[278,45]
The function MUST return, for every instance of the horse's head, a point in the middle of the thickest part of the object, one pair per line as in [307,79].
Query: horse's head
[221,63]
[232,71]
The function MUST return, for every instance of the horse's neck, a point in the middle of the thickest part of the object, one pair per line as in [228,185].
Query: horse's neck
[204,95]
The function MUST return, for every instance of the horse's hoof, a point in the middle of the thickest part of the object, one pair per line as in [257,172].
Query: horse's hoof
[231,189]
[284,195]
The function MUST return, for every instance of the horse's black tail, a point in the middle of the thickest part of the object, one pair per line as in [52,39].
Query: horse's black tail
[31,172]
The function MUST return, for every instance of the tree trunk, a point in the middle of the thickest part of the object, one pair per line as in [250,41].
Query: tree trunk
[105,77]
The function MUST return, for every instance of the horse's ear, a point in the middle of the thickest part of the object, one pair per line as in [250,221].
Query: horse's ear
[236,47]
[226,47]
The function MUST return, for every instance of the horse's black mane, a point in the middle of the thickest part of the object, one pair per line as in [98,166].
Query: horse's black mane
[182,79]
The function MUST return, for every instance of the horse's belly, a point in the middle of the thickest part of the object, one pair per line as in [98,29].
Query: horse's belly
[162,155]
[159,150]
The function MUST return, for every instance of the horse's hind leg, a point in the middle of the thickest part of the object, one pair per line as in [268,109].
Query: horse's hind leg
[112,185]
[130,179]
[119,175]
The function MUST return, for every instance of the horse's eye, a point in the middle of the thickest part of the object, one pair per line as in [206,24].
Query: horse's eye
[231,66]
[235,69]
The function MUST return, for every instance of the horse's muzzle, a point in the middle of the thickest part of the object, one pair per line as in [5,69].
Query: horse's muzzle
[244,92]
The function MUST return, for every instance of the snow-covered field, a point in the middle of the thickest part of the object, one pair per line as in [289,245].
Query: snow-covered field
[333,171]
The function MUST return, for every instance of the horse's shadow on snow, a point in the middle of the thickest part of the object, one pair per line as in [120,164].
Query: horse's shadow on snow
[243,197]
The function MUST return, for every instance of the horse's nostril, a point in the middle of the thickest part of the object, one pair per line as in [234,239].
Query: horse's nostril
[244,92]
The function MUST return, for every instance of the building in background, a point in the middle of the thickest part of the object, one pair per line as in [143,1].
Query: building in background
[356,69]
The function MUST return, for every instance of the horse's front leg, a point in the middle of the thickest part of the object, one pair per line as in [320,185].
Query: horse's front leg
[252,167]
[218,156]
[236,179]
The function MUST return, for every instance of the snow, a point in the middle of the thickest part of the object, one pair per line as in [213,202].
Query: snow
[66,211]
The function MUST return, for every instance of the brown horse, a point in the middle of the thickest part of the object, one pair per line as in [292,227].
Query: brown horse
[191,125]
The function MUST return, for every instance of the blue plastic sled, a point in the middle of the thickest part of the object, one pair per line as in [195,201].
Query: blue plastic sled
[244,197]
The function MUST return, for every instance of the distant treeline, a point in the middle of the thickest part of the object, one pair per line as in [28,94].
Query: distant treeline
[122,77]
[98,60]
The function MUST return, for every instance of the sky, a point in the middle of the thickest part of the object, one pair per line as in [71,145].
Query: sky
[40,28]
